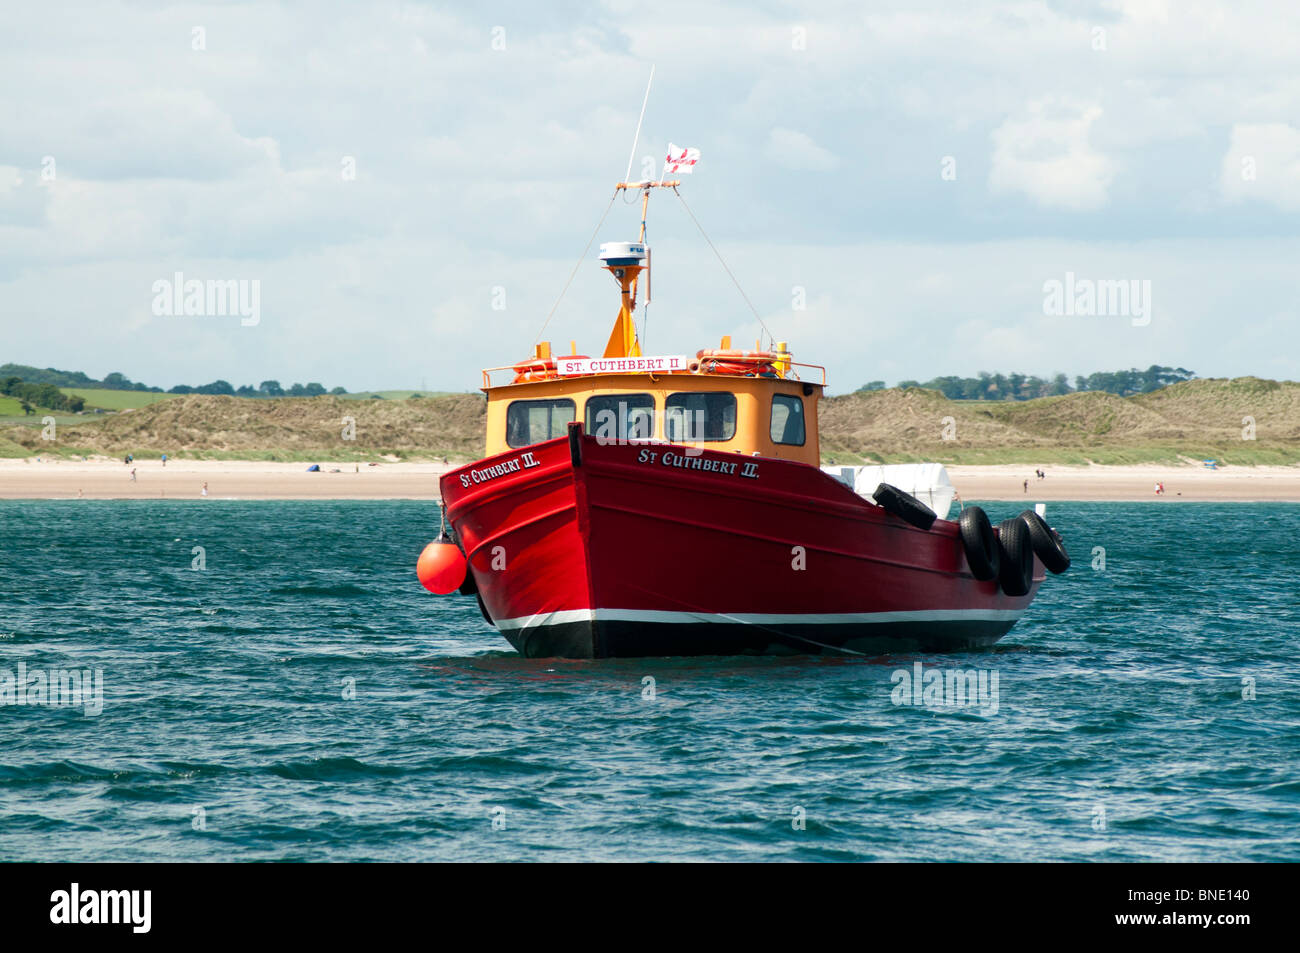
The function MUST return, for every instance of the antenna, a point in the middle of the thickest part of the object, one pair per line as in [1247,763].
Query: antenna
[636,137]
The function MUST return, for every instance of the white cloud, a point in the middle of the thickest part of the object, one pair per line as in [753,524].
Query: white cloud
[795,150]
[23,199]
[1047,157]
[479,167]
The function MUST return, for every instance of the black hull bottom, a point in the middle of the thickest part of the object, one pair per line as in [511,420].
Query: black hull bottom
[607,639]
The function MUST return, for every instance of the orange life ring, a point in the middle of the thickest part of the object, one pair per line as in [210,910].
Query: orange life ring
[536,369]
[734,368]
[742,357]
[742,363]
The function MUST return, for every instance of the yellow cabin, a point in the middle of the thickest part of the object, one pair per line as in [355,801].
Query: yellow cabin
[750,402]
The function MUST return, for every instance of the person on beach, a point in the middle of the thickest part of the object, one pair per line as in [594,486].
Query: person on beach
[205,490]
[164,459]
[1026,486]
[133,474]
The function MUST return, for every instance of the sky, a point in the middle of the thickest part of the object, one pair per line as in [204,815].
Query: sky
[408,186]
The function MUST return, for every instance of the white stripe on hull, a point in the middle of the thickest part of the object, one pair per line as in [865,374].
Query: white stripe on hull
[567,616]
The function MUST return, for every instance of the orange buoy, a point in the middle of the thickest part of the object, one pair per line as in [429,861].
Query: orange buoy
[441,567]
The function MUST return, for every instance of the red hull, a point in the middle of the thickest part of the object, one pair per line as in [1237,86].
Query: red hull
[586,550]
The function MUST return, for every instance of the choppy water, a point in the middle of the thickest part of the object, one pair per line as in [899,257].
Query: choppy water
[1120,706]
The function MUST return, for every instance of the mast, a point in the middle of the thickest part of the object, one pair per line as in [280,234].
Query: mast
[625,261]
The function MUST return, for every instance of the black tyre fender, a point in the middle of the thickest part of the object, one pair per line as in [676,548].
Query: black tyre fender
[1016,571]
[905,506]
[1047,543]
[980,543]
[470,586]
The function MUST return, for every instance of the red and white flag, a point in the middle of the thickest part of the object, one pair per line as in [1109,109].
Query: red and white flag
[680,160]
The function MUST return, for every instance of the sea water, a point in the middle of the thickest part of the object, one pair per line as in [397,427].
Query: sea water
[274,684]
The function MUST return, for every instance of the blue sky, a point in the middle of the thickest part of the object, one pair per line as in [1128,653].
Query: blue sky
[912,173]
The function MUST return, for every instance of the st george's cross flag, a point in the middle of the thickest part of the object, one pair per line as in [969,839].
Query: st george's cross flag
[680,160]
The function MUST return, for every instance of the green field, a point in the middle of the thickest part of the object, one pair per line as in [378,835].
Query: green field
[11,412]
[115,399]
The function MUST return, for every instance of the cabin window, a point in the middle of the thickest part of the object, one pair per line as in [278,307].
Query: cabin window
[619,417]
[700,417]
[787,420]
[532,421]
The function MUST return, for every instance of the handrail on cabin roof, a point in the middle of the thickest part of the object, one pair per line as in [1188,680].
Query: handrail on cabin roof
[488,371]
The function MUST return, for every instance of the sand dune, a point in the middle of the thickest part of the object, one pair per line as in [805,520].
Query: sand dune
[1245,421]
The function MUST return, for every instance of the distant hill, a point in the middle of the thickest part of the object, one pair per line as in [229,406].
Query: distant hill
[47,375]
[118,382]
[1195,419]
[998,387]
[394,394]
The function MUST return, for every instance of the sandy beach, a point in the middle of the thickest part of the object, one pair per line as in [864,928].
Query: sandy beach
[53,478]
[1188,482]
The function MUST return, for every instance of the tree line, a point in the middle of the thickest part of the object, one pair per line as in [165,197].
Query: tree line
[49,376]
[264,389]
[988,386]
[32,395]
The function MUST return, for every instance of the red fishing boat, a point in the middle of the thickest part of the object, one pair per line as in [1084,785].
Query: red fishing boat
[638,505]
